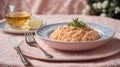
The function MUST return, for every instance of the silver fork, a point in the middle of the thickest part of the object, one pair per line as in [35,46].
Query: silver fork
[30,40]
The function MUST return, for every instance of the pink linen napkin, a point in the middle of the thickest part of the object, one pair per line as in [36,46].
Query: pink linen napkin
[8,56]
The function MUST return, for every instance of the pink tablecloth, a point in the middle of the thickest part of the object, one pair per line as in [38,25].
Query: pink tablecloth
[9,57]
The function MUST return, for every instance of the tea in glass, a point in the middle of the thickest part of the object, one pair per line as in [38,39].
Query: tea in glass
[18,20]
[18,14]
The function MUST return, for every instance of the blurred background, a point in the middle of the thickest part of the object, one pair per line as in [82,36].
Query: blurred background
[104,8]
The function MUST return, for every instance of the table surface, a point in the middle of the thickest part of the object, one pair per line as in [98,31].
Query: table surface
[9,57]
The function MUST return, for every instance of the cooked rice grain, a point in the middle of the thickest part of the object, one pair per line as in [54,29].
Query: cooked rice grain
[74,34]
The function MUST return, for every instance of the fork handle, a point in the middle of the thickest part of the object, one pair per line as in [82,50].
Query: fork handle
[23,59]
[46,53]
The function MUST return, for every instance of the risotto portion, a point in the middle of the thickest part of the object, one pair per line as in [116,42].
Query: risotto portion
[74,34]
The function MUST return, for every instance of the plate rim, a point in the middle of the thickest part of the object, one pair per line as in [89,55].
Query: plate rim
[81,59]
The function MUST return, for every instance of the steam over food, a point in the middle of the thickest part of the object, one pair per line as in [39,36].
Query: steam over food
[75,31]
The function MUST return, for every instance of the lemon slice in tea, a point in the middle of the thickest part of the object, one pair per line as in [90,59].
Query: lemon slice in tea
[35,24]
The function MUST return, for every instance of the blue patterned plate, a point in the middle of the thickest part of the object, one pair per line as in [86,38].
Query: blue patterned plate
[106,34]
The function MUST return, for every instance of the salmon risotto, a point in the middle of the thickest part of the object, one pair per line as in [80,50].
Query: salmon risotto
[74,34]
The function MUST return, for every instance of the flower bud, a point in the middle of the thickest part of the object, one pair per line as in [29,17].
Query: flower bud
[103,15]
[99,5]
[85,12]
[103,10]
[87,8]
[117,10]
[94,5]
[104,4]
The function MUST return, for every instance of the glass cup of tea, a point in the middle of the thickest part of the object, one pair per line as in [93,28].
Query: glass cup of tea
[18,14]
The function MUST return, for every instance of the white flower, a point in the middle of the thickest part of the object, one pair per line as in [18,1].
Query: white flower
[87,8]
[94,5]
[111,4]
[104,4]
[117,10]
[85,12]
[103,15]
[99,5]
[103,10]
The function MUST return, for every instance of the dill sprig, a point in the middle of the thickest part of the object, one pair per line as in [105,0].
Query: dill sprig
[77,23]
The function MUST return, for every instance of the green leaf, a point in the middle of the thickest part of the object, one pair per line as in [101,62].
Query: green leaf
[77,23]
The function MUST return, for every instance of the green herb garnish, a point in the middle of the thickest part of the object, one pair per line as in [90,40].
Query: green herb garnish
[77,23]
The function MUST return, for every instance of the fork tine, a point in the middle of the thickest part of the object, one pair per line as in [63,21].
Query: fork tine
[33,38]
[26,39]
[29,37]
